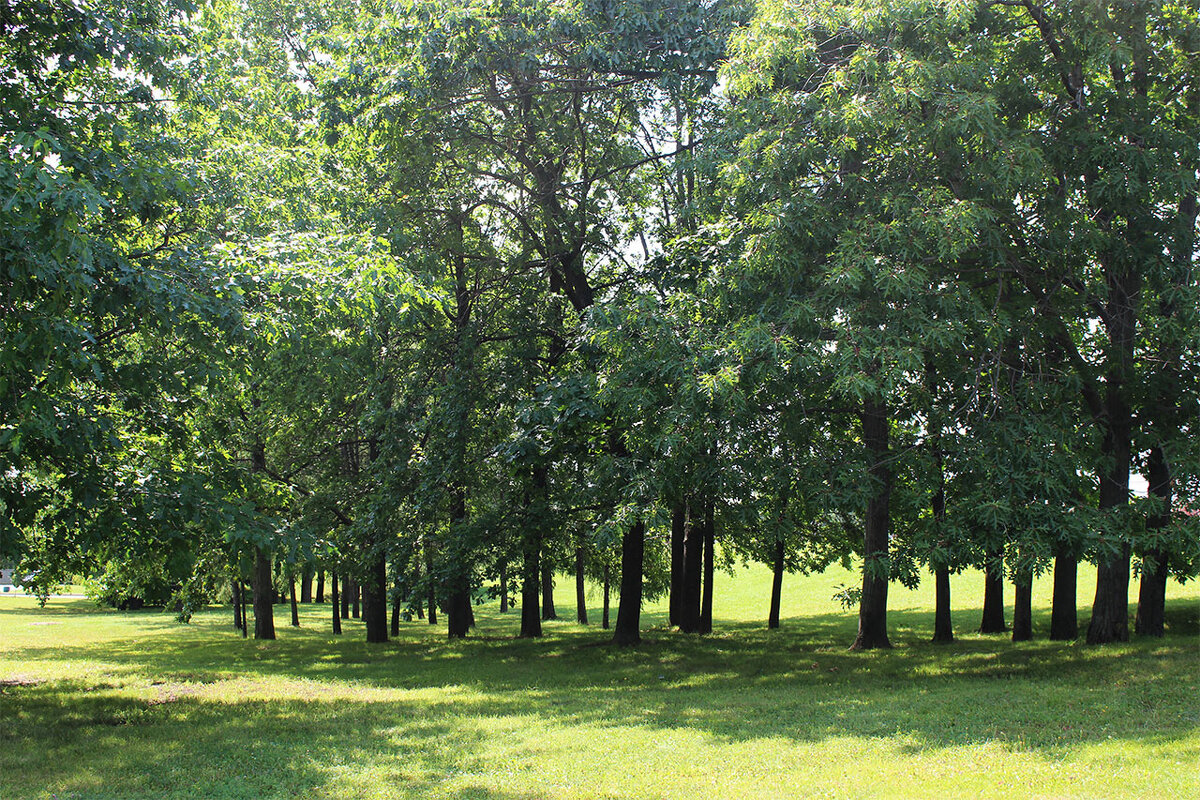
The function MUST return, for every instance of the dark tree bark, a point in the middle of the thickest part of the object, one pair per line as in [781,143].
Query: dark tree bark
[458,614]
[431,599]
[237,605]
[245,618]
[345,597]
[1152,593]
[693,568]
[375,603]
[1110,609]
[531,620]
[503,585]
[548,611]
[355,599]
[1064,619]
[709,545]
[334,604]
[396,601]
[604,613]
[580,589]
[531,554]
[678,531]
[629,612]
[776,585]
[872,609]
[306,578]
[943,626]
[1022,606]
[993,595]
[320,598]
[264,593]
[292,600]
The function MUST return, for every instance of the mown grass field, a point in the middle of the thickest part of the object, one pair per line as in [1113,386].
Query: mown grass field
[98,704]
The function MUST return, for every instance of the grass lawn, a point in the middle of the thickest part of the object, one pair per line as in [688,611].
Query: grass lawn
[104,704]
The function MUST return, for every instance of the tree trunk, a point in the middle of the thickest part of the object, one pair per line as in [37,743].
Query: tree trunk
[678,531]
[1022,606]
[1064,619]
[458,614]
[431,600]
[872,609]
[320,598]
[1152,594]
[548,611]
[776,585]
[245,618]
[709,543]
[580,589]
[943,628]
[334,603]
[292,600]
[604,614]
[264,614]
[531,620]
[629,612]
[345,598]
[355,599]
[1110,609]
[306,578]
[693,566]
[237,605]
[375,603]
[396,601]
[503,585]
[993,595]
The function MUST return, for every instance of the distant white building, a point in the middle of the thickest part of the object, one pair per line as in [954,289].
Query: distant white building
[6,576]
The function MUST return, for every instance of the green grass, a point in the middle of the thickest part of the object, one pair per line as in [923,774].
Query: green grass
[104,704]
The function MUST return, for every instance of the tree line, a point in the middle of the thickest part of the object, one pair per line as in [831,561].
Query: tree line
[440,300]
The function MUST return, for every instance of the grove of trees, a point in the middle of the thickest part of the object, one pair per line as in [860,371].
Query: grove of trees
[441,300]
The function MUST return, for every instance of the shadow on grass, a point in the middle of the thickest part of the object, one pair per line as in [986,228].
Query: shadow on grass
[741,684]
[182,745]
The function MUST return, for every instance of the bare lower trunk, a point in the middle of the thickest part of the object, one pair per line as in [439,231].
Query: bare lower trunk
[306,579]
[580,589]
[548,611]
[629,612]
[375,603]
[678,531]
[943,628]
[604,614]
[238,623]
[872,608]
[504,586]
[709,543]
[334,604]
[1022,606]
[993,595]
[320,598]
[396,601]
[355,600]
[531,619]
[264,593]
[1064,619]
[458,613]
[1152,594]
[345,597]
[693,566]
[776,586]
[292,601]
